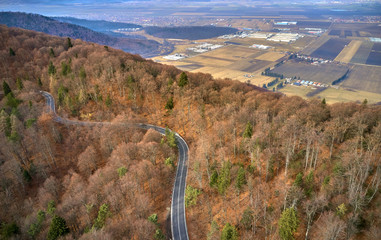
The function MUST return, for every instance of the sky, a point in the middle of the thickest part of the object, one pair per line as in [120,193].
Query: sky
[102,9]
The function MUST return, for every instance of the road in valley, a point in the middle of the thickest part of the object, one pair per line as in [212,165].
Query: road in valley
[178,220]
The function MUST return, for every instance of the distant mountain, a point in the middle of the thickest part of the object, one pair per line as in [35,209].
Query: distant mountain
[97,25]
[50,26]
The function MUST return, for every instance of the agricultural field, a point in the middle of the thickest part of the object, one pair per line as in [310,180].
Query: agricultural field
[375,55]
[365,78]
[323,73]
[313,24]
[333,95]
[309,49]
[362,53]
[232,61]
[355,30]
[349,51]
[330,49]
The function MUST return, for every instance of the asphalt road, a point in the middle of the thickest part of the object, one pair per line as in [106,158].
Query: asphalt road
[178,220]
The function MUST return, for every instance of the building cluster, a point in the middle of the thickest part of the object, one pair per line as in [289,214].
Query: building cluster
[259,46]
[312,60]
[285,37]
[309,83]
[176,56]
[204,47]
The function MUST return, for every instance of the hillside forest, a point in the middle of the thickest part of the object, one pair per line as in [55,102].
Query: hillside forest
[261,165]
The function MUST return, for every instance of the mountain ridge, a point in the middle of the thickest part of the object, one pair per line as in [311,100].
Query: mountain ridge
[50,26]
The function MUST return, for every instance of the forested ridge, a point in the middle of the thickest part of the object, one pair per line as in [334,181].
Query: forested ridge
[51,26]
[261,165]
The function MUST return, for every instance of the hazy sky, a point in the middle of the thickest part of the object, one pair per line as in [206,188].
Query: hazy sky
[101,9]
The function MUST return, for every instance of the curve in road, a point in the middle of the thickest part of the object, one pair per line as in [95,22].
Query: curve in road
[178,220]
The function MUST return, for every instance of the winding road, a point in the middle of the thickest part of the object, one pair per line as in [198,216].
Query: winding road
[178,220]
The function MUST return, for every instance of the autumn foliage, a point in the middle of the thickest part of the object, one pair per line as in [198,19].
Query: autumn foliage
[254,155]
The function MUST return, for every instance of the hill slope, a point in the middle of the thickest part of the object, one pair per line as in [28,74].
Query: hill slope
[50,26]
[261,165]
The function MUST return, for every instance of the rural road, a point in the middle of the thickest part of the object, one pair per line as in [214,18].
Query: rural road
[178,220]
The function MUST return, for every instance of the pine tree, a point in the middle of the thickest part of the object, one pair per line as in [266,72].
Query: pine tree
[241,180]
[51,68]
[169,105]
[248,130]
[247,218]
[183,80]
[103,214]
[108,101]
[288,223]
[223,181]
[229,232]
[11,52]
[153,218]
[51,53]
[57,228]
[122,171]
[39,82]
[19,84]
[171,139]
[69,44]
[6,88]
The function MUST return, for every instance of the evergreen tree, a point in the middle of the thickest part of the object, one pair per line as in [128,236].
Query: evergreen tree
[51,68]
[153,218]
[223,181]
[108,101]
[299,180]
[12,101]
[65,69]
[69,44]
[248,130]
[247,218]
[171,138]
[323,101]
[229,232]
[288,223]
[122,171]
[309,184]
[35,228]
[6,88]
[241,180]
[103,214]
[39,82]
[159,234]
[51,207]
[213,178]
[51,53]
[82,73]
[4,119]
[7,230]
[57,228]
[183,80]
[169,105]
[19,84]
[11,52]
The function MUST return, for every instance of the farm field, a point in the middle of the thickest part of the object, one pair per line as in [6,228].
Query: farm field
[232,61]
[355,30]
[374,57]
[323,73]
[362,53]
[349,51]
[315,45]
[333,95]
[365,78]
[330,49]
